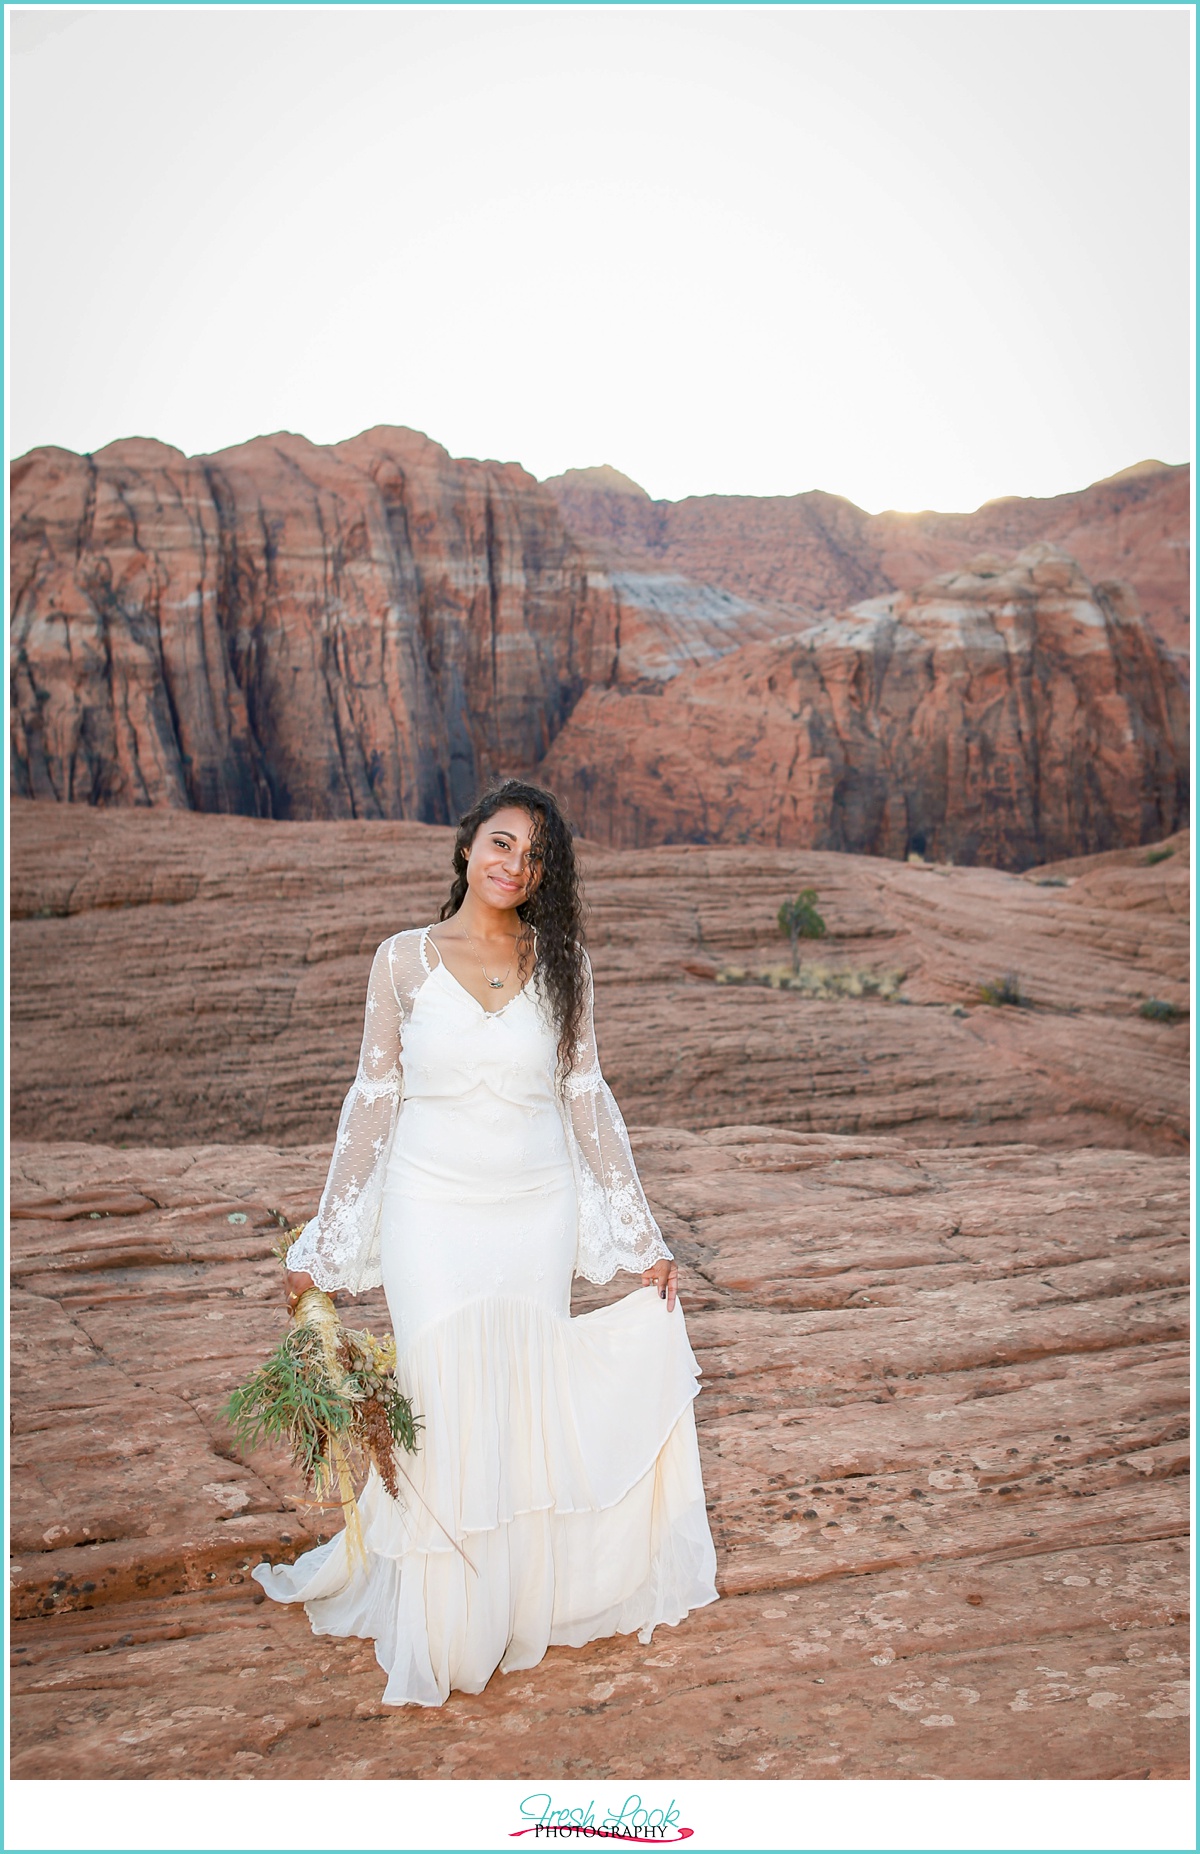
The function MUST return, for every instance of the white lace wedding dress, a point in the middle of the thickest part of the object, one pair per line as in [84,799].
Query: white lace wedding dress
[556,1492]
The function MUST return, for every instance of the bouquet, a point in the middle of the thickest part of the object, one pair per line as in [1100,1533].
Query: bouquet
[331,1394]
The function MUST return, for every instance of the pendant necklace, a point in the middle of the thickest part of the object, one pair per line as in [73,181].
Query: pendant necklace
[496,984]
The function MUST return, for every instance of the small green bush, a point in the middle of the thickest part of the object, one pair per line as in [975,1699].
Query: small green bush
[1006,990]
[1157,856]
[1158,1011]
[799,920]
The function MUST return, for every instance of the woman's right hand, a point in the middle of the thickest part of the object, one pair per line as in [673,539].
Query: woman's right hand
[297,1283]
[665,1277]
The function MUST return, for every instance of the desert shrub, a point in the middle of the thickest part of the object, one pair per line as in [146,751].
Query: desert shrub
[819,981]
[1006,990]
[1157,856]
[799,920]
[1158,1011]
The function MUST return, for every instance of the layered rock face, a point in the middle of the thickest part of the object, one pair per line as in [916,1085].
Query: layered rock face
[812,551]
[1008,713]
[374,629]
[1135,527]
[285,630]
[369,629]
[820,551]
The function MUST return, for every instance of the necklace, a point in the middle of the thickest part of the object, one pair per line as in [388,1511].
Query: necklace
[496,984]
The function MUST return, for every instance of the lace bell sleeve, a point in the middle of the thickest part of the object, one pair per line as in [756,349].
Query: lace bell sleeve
[616,1225]
[339,1247]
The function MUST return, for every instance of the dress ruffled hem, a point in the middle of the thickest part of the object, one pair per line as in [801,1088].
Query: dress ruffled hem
[555,1498]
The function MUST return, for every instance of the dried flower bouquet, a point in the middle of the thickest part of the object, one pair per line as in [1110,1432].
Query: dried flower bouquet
[331,1395]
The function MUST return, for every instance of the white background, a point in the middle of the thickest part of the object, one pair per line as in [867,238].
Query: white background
[918,257]
[731,1815]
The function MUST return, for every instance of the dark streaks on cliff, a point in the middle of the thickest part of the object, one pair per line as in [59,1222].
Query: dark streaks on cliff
[287,629]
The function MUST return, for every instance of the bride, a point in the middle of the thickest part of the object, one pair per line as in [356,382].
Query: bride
[480,1158]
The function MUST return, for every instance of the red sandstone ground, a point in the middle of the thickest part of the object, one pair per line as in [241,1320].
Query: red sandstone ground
[179,977]
[934,1259]
[943,1434]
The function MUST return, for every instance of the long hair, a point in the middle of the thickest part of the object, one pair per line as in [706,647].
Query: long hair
[554,910]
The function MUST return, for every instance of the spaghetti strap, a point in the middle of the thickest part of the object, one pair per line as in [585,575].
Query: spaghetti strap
[426,941]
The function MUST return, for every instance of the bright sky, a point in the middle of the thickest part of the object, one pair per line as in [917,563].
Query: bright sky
[918,258]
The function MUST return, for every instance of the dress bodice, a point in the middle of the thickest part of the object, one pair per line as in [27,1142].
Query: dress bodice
[427,1046]
[453,1045]
[481,1120]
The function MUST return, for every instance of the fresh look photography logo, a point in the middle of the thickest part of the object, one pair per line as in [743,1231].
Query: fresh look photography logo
[635,1820]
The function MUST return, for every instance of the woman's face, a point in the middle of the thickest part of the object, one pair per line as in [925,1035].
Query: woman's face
[499,870]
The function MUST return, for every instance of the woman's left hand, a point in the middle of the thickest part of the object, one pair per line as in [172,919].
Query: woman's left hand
[665,1277]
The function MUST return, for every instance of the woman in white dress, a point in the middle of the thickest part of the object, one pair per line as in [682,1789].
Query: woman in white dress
[556,1493]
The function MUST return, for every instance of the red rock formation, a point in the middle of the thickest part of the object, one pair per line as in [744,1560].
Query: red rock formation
[366,629]
[1133,527]
[371,629]
[666,623]
[291,630]
[1006,714]
[809,552]
[818,550]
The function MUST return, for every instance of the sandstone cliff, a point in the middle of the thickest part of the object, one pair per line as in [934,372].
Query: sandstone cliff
[1006,714]
[368,629]
[372,629]
[820,551]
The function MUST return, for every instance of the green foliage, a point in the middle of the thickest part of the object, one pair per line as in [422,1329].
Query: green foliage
[1158,1011]
[799,920]
[401,1421]
[1006,990]
[1157,856]
[290,1399]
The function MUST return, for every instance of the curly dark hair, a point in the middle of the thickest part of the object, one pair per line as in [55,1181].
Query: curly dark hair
[554,910]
